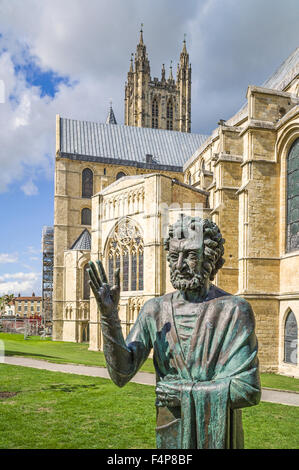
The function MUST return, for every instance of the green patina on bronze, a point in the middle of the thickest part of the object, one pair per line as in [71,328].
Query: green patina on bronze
[205,348]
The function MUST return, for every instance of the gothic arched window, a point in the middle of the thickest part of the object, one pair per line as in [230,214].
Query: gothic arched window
[169,115]
[125,250]
[86,288]
[120,174]
[292,222]
[87,183]
[155,113]
[86,216]
[290,339]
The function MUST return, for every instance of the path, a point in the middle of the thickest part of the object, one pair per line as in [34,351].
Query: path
[269,395]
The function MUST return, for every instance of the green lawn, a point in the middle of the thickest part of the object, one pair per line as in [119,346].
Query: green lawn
[58,411]
[77,353]
[56,351]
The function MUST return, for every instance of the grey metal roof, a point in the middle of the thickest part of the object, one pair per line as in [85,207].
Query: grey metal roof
[83,242]
[92,141]
[111,117]
[285,73]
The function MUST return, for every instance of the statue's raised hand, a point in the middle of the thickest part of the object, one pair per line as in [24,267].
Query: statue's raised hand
[107,297]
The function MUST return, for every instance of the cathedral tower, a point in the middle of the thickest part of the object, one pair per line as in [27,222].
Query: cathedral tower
[160,104]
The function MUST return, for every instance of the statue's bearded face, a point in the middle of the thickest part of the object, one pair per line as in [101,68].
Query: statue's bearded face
[185,262]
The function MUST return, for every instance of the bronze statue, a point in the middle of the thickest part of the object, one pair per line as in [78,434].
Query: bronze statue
[203,339]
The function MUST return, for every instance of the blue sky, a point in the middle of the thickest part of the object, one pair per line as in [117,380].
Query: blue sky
[72,58]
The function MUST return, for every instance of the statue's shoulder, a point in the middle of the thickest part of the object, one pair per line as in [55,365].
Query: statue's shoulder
[152,306]
[236,303]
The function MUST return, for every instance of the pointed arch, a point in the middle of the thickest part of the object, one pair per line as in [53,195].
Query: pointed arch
[87,183]
[120,174]
[124,249]
[86,216]
[290,338]
[292,198]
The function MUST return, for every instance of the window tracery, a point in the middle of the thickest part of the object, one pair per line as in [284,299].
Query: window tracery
[125,250]
[292,222]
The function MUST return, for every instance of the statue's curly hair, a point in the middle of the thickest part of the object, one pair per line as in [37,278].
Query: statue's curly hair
[213,245]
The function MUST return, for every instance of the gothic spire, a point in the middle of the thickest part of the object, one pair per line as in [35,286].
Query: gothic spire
[163,73]
[170,71]
[131,64]
[141,36]
[111,117]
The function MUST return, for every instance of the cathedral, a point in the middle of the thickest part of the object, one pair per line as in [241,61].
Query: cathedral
[118,187]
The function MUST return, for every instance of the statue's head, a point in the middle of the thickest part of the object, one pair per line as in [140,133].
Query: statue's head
[195,250]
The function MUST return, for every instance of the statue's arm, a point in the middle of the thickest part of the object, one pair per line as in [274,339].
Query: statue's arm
[245,387]
[123,358]
[237,369]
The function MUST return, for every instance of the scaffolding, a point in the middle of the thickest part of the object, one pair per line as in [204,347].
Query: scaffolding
[47,277]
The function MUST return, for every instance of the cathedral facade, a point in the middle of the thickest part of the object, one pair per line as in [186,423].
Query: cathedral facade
[117,187]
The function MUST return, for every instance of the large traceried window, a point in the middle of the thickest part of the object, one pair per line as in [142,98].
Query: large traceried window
[87,183]
[292,235]
[290,339]
[125,250]
[169,115]
[155,113]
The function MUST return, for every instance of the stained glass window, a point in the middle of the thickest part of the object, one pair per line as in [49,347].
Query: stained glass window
[110,269]
[290,339]
[125,250]
[140,277]
[134,272]
[292,236]
[125,273]
[86,216]
[86,289]
[117,260]
[87,183]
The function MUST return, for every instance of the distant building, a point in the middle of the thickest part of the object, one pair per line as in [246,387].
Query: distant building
[26,307]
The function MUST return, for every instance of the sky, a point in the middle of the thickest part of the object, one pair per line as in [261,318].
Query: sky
[71,58]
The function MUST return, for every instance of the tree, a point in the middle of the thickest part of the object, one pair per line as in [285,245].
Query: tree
[5,300]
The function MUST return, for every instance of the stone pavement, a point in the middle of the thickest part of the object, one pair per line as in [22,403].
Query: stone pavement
[269,395]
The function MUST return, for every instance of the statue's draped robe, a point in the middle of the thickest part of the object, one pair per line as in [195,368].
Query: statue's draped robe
[215,377]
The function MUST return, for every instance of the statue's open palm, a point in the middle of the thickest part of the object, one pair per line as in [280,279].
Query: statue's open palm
[107,297]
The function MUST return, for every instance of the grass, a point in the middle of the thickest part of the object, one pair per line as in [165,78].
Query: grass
[57,351]
[77,353]
[52,410]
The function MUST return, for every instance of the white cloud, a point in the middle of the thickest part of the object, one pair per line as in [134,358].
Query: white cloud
[29,188]
[231,44]
[24,283]
[8,257]
[20,275]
